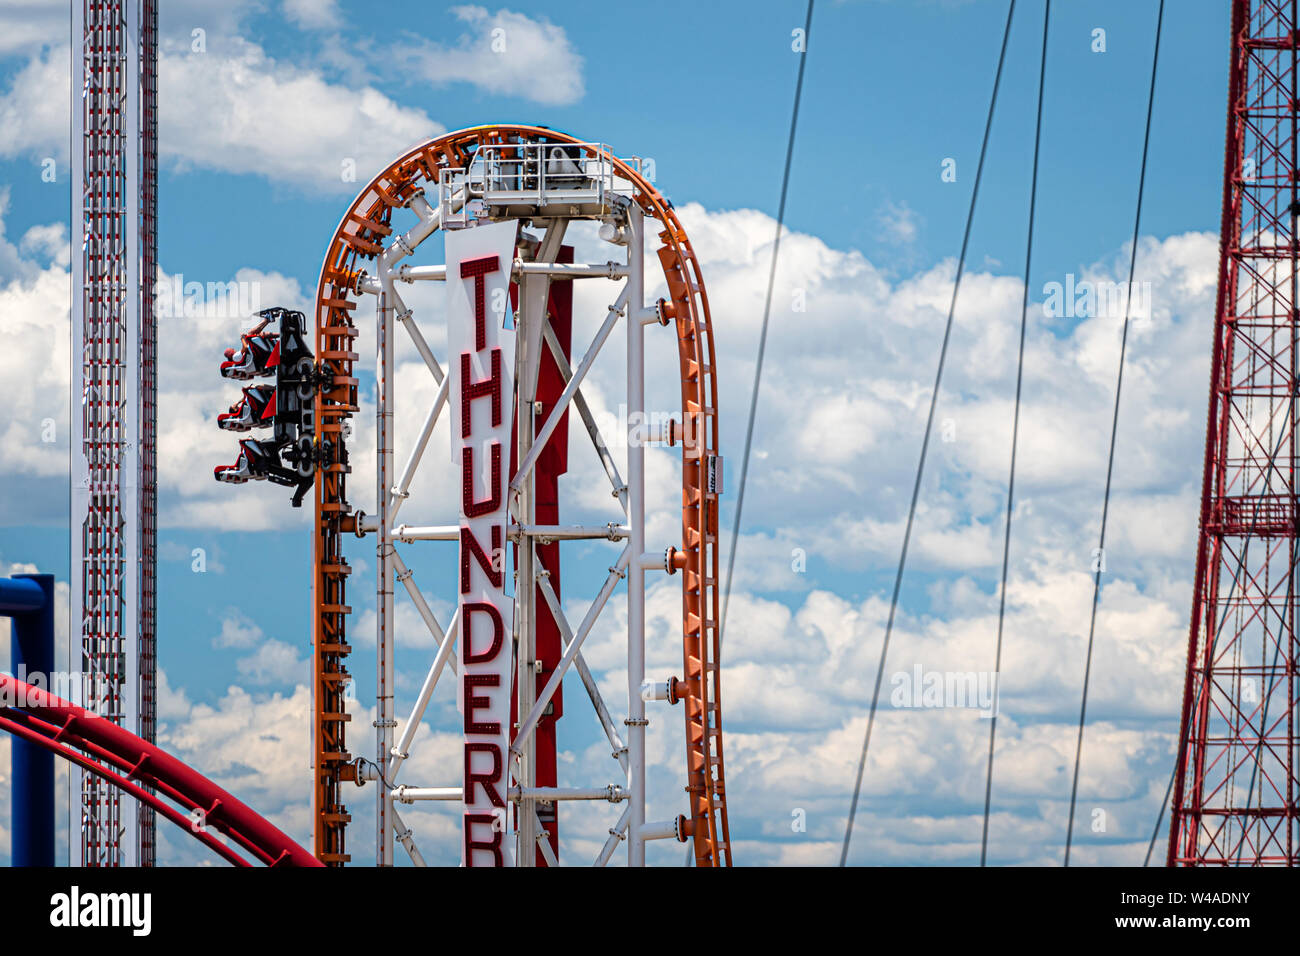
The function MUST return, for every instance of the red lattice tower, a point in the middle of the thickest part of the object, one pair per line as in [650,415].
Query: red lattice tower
[1234,799]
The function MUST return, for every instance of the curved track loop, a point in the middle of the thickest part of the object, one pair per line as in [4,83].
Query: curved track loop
[358,238]
[152,776]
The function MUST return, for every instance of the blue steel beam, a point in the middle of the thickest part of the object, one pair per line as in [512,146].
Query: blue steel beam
[29,600]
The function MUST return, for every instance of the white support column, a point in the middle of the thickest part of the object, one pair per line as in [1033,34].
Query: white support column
[636,721]
[391,311]
[384,720]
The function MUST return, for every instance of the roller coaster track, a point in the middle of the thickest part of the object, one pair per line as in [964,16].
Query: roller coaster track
[359,239]
[153,776]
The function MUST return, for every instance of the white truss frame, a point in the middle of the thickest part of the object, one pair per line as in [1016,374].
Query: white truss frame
[533,333]
[104,827]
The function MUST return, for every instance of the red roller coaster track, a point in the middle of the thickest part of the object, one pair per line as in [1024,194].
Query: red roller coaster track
[153,776]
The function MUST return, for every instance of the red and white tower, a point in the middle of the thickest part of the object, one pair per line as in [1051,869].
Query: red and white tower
[112,601]
[1235,790]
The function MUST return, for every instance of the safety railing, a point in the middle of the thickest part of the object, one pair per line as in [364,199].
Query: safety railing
[530,174]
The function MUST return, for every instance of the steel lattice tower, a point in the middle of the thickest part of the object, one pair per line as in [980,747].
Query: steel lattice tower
[1235,788]
[112,468]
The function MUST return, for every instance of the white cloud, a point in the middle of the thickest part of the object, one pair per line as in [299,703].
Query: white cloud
[34,300]
[232,109]
[240,111]
[504,53]
[313,14]
[34,118]
[899,222]
[34,303]
[173,702]
[228,106]
[274,662]
[256,747]
[238,631]
[178,19]
[271,661]
[28,24]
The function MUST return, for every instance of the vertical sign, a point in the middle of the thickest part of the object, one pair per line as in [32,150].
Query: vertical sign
[481,393]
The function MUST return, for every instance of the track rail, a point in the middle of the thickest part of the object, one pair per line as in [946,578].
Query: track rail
[153,776]
[357,240]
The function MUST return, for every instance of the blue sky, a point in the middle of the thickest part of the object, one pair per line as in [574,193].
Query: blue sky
[892,90]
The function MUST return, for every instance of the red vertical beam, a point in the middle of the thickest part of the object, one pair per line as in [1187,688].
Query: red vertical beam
[551,463]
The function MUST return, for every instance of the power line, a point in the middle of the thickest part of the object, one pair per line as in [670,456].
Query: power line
[925,441]
[1114,428]
[1015,434]
[762,339]
[1168,790]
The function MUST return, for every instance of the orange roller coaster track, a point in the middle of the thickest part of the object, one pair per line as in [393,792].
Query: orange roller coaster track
[359,238]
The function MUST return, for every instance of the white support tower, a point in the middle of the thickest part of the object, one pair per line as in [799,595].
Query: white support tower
[112,604]
[545,192]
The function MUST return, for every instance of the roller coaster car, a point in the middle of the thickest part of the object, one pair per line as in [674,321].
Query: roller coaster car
[288,456]
[258,355]
[255,410]
[294,344]
[254,463]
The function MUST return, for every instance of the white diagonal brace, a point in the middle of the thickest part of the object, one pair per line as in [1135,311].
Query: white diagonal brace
[403,245]
[584,411]
[399,494]
[616,574]
[553,420]
[593,692]
[407,318]
[615,836]
[402,747]
[404,574]
[544,842]
[403,834]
